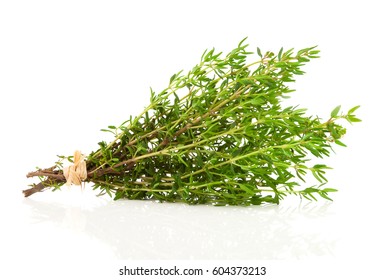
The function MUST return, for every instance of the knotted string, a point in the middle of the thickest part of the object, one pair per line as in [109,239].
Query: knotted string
[77,172]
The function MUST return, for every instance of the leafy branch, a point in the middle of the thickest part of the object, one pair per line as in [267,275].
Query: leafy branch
[217,134]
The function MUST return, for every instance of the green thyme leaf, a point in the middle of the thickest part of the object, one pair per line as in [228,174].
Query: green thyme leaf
[335,111]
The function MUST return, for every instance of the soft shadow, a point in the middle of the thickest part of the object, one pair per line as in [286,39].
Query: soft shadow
[150,230]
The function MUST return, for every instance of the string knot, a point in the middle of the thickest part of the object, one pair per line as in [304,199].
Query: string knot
[77,172]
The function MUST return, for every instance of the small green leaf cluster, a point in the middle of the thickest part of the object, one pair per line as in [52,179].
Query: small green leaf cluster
[219,134]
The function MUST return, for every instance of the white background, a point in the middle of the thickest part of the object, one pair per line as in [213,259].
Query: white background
[70,68]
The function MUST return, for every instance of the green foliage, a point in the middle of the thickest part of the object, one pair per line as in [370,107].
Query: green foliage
[218,134]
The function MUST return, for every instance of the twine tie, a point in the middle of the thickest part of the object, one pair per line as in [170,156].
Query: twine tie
[77,172]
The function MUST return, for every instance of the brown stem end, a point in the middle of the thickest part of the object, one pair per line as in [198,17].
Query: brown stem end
[36,188]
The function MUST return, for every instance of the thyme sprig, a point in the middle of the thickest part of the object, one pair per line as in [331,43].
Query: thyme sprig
[217,134]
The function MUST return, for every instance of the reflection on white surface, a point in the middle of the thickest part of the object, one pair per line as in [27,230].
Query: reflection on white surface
[150,230]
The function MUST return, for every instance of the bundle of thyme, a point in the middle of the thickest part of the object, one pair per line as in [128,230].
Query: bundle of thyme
[217,134]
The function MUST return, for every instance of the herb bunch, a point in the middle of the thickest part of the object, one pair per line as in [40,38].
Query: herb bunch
[217,134]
